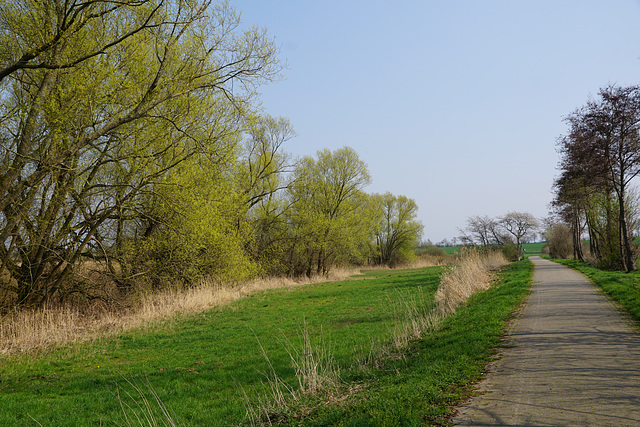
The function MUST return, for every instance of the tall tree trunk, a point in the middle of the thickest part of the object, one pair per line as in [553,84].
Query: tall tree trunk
[628,260]
[578,254]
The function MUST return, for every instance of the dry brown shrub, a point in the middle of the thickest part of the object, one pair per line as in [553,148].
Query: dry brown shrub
[421,261]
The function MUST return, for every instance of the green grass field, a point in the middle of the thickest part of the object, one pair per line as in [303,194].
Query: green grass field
[200,366]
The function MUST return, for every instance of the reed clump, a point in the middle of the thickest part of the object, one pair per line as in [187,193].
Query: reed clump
[473,273]
[417,314]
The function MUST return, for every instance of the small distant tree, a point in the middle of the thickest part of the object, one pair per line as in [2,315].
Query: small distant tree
[397,231]
[519,225]
[483,230]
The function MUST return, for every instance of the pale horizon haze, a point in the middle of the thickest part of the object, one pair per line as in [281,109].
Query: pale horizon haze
[455,104]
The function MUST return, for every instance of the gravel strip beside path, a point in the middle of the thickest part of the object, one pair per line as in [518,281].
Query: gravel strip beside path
[571,360]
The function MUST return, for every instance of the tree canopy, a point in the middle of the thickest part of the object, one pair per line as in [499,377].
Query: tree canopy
[134,156]
[600,156]
[100,102]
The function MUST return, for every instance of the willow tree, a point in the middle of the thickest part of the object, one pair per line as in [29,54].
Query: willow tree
[99,102]
[328,214]
[262,178]
[397,231]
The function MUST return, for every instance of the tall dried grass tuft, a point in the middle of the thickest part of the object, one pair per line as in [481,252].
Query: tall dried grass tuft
[314,365]
[472,274]
[26,331]
[276,398]
[415,315]
[413,318]
[315,369]
[143,407]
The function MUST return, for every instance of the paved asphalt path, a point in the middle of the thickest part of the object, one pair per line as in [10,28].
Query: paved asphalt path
[571,359]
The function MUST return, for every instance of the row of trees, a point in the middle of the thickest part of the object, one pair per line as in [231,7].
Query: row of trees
[132,153]
[600,157]
[513,228]
[323,218]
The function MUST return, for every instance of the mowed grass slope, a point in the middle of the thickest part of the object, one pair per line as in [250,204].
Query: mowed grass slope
[201,366]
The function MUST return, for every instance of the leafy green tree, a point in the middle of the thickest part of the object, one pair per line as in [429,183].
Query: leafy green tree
[199,230]
[263,161]
[99,102]
[397,230]
[263,177]
[326,215]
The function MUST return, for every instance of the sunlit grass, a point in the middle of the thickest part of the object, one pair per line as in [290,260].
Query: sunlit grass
[41,329]
[317,354]
[199,363]
[435,372]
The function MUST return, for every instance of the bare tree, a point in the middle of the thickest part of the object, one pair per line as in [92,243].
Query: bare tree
[600,158]
[559,240]
[484,230]
[519,225]
[615,123]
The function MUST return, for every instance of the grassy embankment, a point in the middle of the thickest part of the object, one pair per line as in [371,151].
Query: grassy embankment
[622,287]
[210,368]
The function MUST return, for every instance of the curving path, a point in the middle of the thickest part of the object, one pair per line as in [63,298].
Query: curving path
[571,360]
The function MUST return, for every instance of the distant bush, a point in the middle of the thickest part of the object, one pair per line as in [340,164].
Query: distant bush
[430,250]
[510,251]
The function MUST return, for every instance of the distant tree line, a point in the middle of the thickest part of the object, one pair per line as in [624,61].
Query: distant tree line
[133,156]
[600,157]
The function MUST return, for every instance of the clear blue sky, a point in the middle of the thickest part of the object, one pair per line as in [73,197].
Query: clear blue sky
[456,104]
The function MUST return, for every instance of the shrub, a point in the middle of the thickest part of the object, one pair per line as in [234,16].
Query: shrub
[510,251]
[430,250]
[560,241]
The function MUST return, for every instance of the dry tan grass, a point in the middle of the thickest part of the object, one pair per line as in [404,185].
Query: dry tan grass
[142,406]
[25,331]
[472,274]
[432,261]
[412,318]
[421,262]
[315,368]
